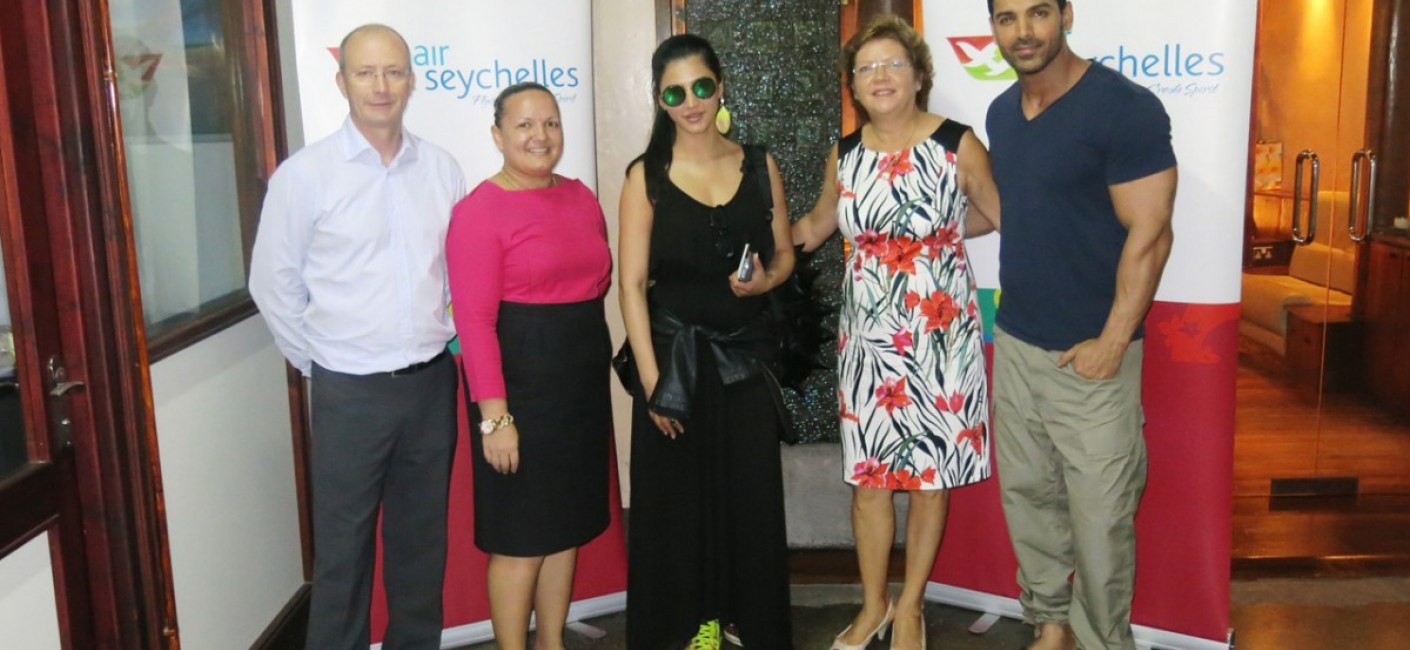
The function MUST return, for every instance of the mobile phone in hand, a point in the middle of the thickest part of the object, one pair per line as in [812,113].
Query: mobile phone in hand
[746,265]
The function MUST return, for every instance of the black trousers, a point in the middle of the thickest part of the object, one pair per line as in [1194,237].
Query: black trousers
[380,443]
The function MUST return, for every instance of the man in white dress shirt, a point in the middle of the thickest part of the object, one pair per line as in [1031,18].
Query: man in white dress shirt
[348,270]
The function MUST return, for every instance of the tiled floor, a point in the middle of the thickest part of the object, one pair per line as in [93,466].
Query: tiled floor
[1273,614]
[1322,614]
[821,611]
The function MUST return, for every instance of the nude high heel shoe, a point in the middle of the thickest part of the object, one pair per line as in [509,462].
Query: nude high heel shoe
[922,634]
[878,633]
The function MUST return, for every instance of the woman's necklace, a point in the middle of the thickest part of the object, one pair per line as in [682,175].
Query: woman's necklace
[905,144]
[510,183]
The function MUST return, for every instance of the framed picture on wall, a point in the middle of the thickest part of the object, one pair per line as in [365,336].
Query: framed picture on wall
[1267,165]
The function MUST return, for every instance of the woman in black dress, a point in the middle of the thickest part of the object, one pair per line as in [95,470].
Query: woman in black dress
[707,543]
[528,265]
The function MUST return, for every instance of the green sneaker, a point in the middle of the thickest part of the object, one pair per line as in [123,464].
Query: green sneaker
[707,638]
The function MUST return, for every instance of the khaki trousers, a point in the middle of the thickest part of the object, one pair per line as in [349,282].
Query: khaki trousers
[1072,466]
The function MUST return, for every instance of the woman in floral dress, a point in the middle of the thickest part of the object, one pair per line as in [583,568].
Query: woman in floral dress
[905,190]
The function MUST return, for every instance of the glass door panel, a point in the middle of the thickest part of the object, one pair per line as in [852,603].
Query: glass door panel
[1325,418]
[1300,344]
[1360,439]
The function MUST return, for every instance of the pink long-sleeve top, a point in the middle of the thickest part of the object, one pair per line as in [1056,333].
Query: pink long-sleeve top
[544,246]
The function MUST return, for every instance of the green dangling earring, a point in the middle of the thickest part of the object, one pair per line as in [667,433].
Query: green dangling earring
[723,121]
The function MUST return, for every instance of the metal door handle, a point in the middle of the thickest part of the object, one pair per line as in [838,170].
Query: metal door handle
[59,385]
[1297,236]
[1355,219]
[63,387]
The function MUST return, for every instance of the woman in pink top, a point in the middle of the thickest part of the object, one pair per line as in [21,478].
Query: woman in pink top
[529,264]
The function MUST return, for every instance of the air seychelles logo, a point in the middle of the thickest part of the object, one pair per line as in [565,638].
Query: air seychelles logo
[480,81]
[1169,69]
[981,58]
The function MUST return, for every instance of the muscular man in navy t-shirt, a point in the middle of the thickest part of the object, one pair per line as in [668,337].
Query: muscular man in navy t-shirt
[1086,177]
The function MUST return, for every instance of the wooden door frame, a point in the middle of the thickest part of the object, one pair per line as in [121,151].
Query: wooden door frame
[121,569]
[1387,122]
[115,586]
[39,498]
[1388,104]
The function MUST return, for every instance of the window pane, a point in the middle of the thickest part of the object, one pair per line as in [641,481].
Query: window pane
[13,451]
[175,93]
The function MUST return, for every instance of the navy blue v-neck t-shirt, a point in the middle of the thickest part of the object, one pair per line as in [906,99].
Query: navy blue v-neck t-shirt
[1061,239]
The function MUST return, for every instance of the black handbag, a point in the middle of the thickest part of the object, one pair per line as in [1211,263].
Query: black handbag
[625,366]
[797,319]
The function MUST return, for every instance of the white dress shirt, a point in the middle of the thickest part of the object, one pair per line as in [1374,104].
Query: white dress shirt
[348,266]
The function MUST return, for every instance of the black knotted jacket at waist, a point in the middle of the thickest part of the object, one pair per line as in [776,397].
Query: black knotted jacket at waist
[734,353]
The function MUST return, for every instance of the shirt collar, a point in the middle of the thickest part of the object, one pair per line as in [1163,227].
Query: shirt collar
[356,146]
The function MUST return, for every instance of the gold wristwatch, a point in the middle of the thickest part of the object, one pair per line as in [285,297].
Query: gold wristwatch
[495,424]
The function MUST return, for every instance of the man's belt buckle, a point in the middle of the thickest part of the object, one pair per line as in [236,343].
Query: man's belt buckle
[417,367]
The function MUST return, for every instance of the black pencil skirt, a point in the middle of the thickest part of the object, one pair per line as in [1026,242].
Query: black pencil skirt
[556,360]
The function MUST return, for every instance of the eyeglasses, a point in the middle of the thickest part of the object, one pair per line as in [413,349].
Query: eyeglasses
[393,76]
[702,88]
[722,238]
[894,65]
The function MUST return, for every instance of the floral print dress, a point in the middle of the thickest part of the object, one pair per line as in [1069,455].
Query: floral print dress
[911,373]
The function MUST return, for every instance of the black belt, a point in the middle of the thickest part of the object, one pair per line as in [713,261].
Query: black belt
[734,361]
[675,389]
[418,367]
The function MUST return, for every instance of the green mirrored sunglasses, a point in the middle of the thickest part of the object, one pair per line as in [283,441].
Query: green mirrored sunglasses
[703,88]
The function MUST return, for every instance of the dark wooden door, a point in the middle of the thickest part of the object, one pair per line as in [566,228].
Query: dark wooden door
[1398,379]
[1381,314]
[1383,301]
[38,477]
[83,408]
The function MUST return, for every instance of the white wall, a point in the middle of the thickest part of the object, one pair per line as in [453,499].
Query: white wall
[623,37]
[29,615]
[289,74]
[226,451]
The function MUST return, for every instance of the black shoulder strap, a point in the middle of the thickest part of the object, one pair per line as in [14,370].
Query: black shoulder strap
[849,143]
[756,161]
[949,135]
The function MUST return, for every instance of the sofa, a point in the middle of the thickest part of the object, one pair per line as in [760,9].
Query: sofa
[1320,273]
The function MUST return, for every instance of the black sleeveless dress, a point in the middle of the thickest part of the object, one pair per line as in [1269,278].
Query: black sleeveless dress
[707,538]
